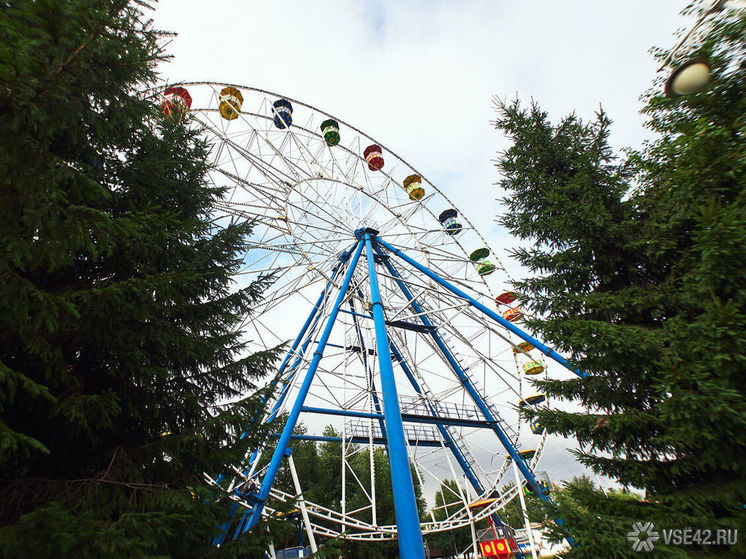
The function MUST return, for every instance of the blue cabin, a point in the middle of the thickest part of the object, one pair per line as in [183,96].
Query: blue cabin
[448,220]
[283,110]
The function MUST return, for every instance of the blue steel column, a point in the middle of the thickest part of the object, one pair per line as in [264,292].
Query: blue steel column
[220,538]
[549,352]
[470,475]
[279,454]
[405,503]
[473,392]
[314,311]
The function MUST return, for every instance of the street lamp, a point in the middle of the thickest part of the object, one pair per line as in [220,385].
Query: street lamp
[690,77]
[693,75]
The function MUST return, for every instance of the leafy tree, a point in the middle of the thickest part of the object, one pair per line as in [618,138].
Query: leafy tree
[638,268]
[118,341]
[513,513]
[447,501]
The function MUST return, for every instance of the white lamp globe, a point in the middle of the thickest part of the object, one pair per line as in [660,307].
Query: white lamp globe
[691,77]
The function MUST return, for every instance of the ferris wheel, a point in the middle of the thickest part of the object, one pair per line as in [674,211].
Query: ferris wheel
[404,328]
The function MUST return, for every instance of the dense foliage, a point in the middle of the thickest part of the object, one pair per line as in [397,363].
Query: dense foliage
[637,270]
[449,498]
[118,317]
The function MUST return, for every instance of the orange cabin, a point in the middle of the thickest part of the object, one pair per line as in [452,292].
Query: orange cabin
[506,298]
[512,315]
[523,347]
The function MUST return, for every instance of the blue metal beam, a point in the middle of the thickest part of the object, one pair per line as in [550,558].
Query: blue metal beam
[360,440]
[464,379]
[220,538]
[549,352]
[460,458]
[345,413]
[282,445]
[406,417]
[357,314]
[405,502]
[314,317]
[289,381]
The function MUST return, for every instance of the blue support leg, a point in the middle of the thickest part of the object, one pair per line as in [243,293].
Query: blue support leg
[315,316]
[292,351]
[287,431]
[405,503]
[460,458]
[549,352]
[220,538]
[465,381]
[312,318]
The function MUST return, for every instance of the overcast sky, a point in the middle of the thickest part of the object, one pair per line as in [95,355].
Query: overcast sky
[419,76]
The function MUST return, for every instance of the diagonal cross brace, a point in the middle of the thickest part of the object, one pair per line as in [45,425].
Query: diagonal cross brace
[462,377]
[282,446]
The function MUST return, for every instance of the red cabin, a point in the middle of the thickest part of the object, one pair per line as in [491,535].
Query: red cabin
[506,298]
[176,102]
[373,156]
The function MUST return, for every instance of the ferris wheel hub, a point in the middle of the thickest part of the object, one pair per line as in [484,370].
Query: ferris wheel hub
[360,233]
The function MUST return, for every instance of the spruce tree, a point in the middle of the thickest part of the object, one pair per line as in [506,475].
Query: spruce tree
[637,268]
[118,316]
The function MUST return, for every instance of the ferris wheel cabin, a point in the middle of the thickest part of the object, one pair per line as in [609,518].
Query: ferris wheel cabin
[484,266]
[449,222]
[283,113]
[230,103]
[373,155]
[176,102]
[330,130]
[413,186]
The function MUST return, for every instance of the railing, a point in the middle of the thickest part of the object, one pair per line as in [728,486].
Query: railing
[451,410]
[413,433]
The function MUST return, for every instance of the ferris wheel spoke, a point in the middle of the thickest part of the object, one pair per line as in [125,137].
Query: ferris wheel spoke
[405,216]
[266,192]
[287,247]
[307,156]
[335,162]
[334,218]
[257,162]
[339,219]
[269,269]
[277,153]
[286,290]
